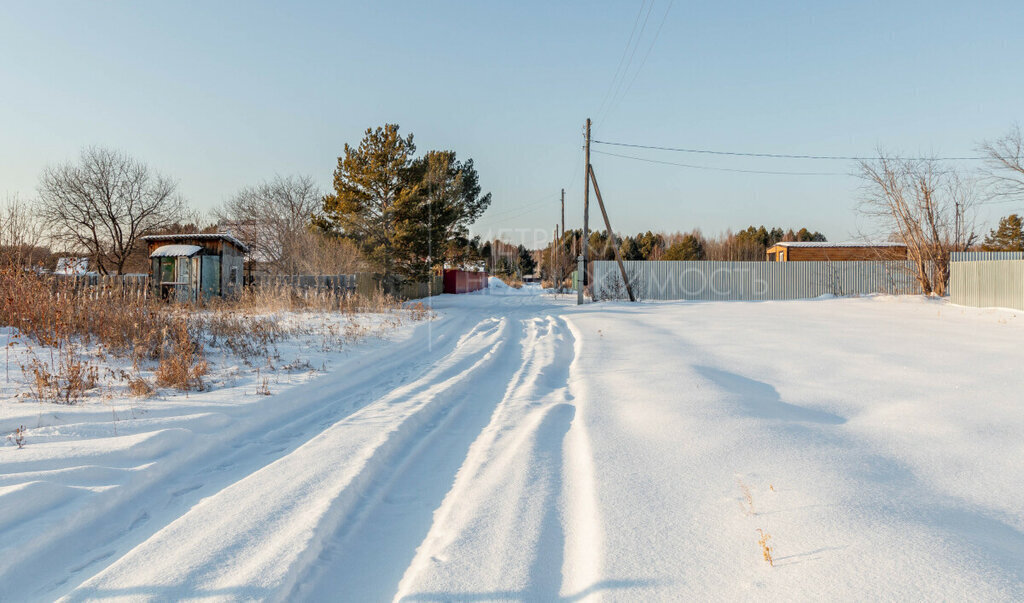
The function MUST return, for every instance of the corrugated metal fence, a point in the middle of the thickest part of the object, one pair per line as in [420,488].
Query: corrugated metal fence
[714,281]
[974,256]
[995,283]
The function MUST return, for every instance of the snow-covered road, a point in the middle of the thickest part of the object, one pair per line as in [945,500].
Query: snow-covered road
[521,448]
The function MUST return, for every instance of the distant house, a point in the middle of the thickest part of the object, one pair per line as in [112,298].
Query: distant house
[793,251]
[189,267]
[72,266]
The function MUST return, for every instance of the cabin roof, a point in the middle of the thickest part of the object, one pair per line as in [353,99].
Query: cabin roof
[200,236]
[826,244]
[175,251]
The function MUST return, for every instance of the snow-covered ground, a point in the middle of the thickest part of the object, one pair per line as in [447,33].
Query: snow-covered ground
[521,448]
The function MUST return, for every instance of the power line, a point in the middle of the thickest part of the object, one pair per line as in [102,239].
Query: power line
[519,210]
[629,63]
[629,42]
[643,62]
[776,155]
[719,169]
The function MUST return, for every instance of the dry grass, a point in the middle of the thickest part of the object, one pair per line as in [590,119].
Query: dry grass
[748,498]
[63,320]
[766,550]
[63,381]
[140,388]
[182,364]
[285,298]
[511,281]
[17,437]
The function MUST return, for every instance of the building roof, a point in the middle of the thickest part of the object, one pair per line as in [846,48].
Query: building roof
[826,244]
[175,251]
[201,236]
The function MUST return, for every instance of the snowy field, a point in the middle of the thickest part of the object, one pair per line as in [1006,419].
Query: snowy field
[521,448]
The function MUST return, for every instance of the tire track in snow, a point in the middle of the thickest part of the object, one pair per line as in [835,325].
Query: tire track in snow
[366,557]
[582,569]
[217,549]
[499,533]
[125,516]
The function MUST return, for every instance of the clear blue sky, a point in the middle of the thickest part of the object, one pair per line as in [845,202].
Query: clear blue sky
[221,95]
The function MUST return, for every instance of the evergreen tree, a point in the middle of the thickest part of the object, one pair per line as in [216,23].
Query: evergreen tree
[526,262]
[630,251]
[434,226]
[1009,236]
[650,244]
[406,215]
[371,191]
[805,235]
[689,248]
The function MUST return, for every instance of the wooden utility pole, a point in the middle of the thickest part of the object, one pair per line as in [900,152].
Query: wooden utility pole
[563,213]
[611,236]
[552,256]
[586,221]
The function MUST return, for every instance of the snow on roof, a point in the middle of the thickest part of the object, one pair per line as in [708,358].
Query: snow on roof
[175,251]
[72,266]
[825,244]
[201,236]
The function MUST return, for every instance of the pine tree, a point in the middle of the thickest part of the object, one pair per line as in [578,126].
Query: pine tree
[650,244]
[406,215]
[526,262]
[434,226]
[689,248]
[630,251]
[371,188]
[1008,237]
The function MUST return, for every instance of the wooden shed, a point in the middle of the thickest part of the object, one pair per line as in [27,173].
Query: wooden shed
[793,251]
[190,267]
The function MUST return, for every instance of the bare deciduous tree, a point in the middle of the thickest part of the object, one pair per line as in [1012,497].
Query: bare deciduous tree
[22,235]
[926,206]
[103,204]
[274,219]
[322,253]
[1005,164]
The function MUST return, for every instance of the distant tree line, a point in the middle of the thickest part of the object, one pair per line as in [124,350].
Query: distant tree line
[390,211]
[406,215]
[749,244]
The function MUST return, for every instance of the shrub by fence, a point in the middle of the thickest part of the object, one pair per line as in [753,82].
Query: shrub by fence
[718,281]
[136,286]
[362,283]
[133,286]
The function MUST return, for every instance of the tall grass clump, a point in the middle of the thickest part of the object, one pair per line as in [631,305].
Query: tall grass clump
[62,318]
[182,364]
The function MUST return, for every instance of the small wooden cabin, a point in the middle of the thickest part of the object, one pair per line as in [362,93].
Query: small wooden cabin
[190,267]
[792,251]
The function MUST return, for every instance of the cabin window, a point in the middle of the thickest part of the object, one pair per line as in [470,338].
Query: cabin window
[781,256]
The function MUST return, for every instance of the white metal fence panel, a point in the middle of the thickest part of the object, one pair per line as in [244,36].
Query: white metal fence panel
[715,281]
[975,256]
[985,284]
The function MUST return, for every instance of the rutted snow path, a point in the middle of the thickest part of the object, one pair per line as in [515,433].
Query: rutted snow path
[520,448]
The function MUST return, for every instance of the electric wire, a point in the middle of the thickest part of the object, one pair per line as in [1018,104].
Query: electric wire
[643,62]
[622,59]
[721,169]
[775,155]
[629,63]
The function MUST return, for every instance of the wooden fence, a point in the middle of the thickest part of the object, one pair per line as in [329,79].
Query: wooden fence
[136,286]
[95,286]
[362,283]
